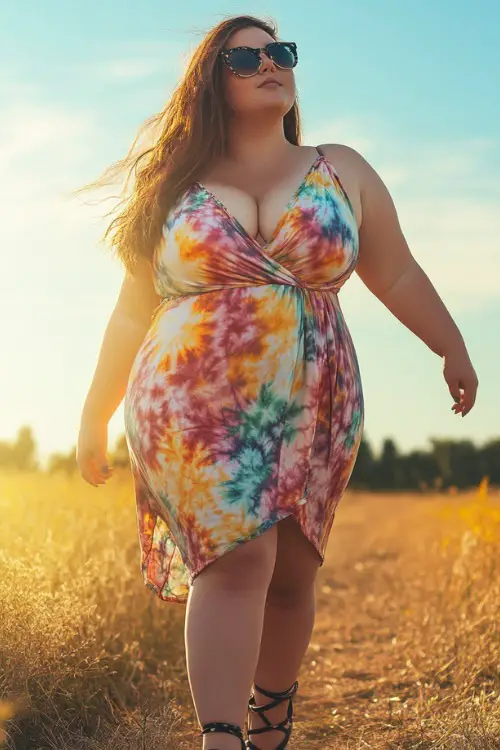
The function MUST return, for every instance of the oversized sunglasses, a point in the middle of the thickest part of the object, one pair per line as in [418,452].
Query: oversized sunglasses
[247,61]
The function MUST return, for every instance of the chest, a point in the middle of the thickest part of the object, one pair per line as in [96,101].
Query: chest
[317,200]
[258,213]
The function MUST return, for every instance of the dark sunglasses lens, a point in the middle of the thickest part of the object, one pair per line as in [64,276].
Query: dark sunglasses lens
[282,55]
[245,63]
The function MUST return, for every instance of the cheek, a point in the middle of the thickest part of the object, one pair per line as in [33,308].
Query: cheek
[239,92]
[290,88]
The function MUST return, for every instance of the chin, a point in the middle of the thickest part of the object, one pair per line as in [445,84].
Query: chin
[279,101]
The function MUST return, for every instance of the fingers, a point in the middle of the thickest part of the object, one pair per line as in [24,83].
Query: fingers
[456,394]
[469,396]
[94,470]
[464,396]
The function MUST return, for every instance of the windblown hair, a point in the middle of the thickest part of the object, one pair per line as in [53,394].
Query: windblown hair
[192,131]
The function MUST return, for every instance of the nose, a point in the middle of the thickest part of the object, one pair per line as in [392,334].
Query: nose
[267,64]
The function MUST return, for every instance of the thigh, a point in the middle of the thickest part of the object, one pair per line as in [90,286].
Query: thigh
[297,561]
[248,566]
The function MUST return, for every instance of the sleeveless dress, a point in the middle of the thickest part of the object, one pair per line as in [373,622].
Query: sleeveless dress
[244,403]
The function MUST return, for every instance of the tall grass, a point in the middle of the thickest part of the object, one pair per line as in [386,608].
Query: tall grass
[85,647]
[90,659]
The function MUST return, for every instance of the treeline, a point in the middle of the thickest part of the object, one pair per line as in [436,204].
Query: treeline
[447,463]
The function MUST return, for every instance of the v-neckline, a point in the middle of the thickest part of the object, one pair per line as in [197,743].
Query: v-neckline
[281,220]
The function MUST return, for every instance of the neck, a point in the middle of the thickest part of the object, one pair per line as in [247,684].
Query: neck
[257,141]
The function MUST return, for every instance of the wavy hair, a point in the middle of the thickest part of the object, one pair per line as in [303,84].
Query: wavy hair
[192,131]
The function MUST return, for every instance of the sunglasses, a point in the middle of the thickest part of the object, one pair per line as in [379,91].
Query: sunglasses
[247,61]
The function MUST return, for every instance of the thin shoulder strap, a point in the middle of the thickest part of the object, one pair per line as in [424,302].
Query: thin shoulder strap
[320,152]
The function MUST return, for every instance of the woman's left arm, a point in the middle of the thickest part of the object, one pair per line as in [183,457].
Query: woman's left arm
[389,270]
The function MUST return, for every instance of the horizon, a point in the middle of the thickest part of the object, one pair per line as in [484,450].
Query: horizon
[406,92]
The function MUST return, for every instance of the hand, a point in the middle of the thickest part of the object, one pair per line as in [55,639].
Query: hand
[461,379]
[91,454]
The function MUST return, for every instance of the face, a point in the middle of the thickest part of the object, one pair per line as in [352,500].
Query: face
[248,95]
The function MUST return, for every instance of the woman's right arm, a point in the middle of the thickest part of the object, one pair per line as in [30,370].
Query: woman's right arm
[124,334]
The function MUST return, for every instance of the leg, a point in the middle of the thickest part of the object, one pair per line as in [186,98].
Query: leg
[288,624]
[224,620]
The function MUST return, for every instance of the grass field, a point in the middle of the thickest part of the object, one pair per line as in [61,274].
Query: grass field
[405,651]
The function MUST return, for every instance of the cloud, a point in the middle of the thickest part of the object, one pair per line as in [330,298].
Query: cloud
[42,150]
[126,69]
[28,129]
[46,151]
[446,193]
[58,292]
[141,61]
[347,130]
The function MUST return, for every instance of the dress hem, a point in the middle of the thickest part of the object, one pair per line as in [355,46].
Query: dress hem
[229,548]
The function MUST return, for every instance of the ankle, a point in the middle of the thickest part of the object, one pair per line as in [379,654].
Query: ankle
[273,715]
[221,742]
[277,720]
[222,736]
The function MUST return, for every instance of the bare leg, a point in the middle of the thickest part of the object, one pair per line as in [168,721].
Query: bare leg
[288,624]
[224,620]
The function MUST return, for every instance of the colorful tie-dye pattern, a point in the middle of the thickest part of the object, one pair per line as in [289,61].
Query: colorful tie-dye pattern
[244,403]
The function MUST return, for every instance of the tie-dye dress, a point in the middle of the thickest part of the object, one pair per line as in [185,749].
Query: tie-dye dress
[244,404]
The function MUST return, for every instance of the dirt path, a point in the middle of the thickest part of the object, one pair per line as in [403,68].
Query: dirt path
[351,681]
[350,673]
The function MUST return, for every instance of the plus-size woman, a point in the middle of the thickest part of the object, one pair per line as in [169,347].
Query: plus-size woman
[243,400]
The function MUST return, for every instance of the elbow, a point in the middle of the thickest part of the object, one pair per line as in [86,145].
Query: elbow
[386,288]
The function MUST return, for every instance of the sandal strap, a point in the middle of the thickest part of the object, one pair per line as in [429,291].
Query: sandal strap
[280,697]
[284,726]
[224,727]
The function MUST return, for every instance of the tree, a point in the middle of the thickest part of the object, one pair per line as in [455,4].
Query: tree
[63,462]
[389,471]
[466,466]
[24,450]
[441,450]
[362,475]
[460,463]
[490,461]
[120,455]
[421,470]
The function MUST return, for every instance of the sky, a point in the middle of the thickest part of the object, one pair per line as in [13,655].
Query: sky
[413,86]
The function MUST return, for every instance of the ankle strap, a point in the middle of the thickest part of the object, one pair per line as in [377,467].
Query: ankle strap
[289,693]
[223,727]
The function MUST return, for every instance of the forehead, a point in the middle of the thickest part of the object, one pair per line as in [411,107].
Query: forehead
[249,37]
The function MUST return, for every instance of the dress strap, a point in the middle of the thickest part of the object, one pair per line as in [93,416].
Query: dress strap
[320,152]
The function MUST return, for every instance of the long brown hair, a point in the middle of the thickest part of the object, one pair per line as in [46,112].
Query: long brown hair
[192,134]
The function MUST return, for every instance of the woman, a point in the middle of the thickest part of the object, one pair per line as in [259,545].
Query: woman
[243,401]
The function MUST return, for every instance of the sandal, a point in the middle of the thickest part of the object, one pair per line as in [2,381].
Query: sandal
[221,726]
[284,726]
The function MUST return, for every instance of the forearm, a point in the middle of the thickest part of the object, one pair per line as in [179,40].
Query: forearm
[414,301]
[122,338]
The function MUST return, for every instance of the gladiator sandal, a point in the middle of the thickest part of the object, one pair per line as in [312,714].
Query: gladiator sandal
[221,726]
[284,726]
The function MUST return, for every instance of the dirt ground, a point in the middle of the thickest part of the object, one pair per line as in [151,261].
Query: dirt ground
[376,674]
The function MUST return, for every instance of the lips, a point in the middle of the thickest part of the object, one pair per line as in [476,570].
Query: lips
[269,80]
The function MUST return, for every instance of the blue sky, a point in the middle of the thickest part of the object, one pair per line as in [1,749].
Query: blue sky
[413,86]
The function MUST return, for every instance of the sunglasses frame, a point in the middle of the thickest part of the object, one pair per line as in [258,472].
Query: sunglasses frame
[225,54]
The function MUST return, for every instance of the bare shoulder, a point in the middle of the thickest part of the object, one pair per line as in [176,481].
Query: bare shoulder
[357,175]
[344,161]
[384,252]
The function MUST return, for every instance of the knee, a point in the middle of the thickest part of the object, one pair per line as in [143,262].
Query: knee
[294,580]
[290,593]
[248,567]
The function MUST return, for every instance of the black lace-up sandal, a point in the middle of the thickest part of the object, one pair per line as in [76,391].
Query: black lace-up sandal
[284,726]
[221,726]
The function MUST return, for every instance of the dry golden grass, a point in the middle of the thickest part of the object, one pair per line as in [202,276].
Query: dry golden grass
[405,653]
